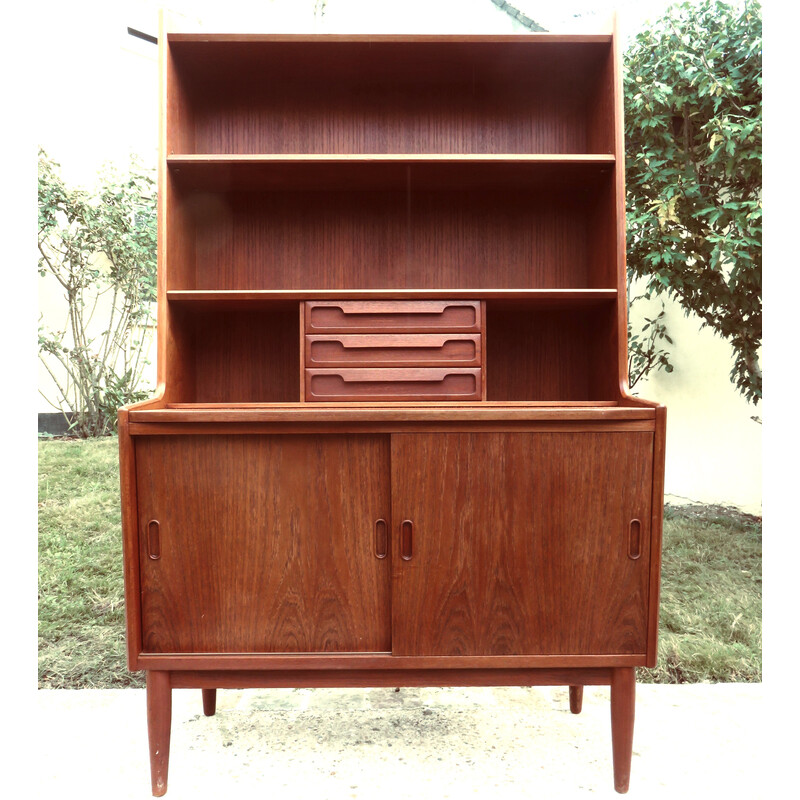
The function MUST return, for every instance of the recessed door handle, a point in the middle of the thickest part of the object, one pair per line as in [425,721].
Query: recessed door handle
[154,539]
[381,539]
[635,539]
[406,540]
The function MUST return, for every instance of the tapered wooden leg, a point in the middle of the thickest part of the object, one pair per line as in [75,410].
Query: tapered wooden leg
[623,702]
[159,720]
[575,699]
[209,702]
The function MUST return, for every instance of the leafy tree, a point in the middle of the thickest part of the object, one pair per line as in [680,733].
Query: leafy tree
[101,248]
[693,100]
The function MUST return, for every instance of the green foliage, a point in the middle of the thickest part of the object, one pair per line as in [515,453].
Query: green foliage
[646,353]
[101,248]
[693,108]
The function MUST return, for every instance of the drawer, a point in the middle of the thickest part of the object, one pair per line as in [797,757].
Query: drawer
[393,350]
[392,385]
[387,316]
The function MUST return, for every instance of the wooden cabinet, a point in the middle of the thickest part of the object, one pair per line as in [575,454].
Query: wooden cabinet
[392,442]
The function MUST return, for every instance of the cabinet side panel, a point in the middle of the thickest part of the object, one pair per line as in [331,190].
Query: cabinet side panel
[130,540]
[657,524]
[266,543]
[521,543]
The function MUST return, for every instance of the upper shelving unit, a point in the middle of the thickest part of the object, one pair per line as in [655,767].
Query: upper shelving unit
[374,169]
[384,94]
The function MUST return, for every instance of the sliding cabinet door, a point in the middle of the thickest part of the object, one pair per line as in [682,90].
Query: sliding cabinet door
[521,543]
[263,543]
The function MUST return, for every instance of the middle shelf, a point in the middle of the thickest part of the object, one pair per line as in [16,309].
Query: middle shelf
[391,222]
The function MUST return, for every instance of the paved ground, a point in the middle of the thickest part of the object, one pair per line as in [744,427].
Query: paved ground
[694,741]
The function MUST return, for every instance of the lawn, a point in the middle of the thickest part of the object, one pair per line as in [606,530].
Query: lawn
[710,598]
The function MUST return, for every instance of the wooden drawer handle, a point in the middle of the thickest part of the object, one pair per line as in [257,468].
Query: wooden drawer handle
[154,539]
[406,540]
[381,539]
[635,539]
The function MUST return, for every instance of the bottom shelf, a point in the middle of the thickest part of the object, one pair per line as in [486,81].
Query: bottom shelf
[532,353]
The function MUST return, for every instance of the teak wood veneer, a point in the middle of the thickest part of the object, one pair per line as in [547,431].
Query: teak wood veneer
[392,442]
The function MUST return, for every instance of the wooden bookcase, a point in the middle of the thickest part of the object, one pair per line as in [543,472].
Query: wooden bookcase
[392,442]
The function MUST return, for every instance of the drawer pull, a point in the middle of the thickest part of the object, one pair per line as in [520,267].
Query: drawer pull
[406,540]
[154,539]
[635,539]
[381,539]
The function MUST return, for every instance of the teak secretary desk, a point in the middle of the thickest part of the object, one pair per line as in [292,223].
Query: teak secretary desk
[392,443]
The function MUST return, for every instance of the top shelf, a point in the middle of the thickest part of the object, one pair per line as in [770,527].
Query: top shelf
[243,94]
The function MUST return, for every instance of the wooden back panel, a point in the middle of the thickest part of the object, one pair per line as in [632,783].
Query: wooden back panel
[541,353]
[534,238]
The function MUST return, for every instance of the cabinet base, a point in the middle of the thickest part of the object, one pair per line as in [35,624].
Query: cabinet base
[160,683]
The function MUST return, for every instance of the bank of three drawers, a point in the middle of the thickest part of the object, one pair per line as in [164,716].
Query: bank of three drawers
[394,351]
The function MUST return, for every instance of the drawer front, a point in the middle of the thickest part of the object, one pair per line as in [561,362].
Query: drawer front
[341,385]
[393,350]
[387,316]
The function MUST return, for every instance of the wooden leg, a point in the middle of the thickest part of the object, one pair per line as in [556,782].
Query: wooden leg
[209,702]
[623,702]
[575,699]
[159,719]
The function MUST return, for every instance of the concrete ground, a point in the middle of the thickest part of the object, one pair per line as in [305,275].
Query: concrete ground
[691,741]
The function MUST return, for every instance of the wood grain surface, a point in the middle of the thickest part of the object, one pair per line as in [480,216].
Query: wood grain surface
[266,543]
[564,353]
[492,237]
[520,543]
[240,356]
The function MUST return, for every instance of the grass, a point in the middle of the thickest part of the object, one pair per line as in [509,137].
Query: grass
[81,607]
[710,593]
[710,620]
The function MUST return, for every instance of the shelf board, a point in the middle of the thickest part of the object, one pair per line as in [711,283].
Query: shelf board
[251,159]
[392,413]
[387,171]
[198,37]
[231,299]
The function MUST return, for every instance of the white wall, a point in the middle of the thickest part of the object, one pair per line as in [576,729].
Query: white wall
[713,447]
